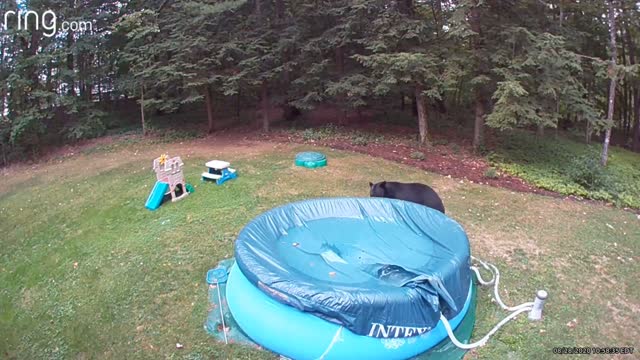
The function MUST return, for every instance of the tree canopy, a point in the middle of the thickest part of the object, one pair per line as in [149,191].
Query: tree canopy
[491,63]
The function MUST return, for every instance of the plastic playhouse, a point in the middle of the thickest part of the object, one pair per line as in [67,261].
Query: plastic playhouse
[219,171]
[170,181]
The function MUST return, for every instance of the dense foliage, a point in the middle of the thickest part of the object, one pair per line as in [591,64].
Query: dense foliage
[501,64]
[570,168]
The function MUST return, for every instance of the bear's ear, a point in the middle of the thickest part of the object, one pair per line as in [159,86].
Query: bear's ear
[370,184]
[383,184]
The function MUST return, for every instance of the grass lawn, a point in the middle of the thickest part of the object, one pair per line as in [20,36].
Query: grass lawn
[87,272]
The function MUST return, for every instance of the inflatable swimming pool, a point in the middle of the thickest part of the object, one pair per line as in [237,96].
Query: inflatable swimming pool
[346,278]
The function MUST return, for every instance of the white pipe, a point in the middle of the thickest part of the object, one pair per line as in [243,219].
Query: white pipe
[535,310]
[484,340]
[497,295]
[336,338]
[538,305]
[480,279]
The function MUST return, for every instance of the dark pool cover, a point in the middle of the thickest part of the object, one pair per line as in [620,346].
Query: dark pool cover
[379,267]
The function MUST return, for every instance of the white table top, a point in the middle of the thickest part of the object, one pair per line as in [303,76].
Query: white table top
[217,164]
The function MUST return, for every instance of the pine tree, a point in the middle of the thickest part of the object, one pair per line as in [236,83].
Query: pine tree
[536,77]
[399,54]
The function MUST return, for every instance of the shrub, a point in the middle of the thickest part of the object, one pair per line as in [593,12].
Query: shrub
[360,140]
[437,142]
[586,171]
[180,135]
[417,155]
[320,133]
[569,167]
[92,125]
[483,150]
[364,138]
[309,134]
[491,173]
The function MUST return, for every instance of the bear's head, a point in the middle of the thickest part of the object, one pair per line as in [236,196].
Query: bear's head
[377,189]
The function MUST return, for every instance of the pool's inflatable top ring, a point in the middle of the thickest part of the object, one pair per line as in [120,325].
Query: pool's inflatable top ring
[372,265]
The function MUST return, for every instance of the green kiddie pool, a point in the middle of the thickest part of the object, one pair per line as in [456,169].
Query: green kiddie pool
[310,159]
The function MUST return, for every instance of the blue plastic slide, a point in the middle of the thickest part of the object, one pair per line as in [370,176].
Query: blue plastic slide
[157,194]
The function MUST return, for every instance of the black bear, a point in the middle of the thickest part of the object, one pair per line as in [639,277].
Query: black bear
[414,192]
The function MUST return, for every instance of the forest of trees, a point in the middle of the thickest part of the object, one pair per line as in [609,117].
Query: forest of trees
[502,64]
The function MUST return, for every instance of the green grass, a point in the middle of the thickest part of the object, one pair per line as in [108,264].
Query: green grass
[129,139]
[138,287]
[570,168]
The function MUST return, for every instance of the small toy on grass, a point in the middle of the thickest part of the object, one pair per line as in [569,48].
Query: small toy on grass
[170,181]
[219,171]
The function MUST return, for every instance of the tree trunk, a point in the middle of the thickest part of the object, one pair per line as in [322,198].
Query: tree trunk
[87,69]
[4,155]
[100,90]
[631,113]
[634,116]
[280,9]
[612,86]
[587,131]
[635,144]
[144,126]
[474,20]
[402,105]
[458,93]
[340,59]
[540,131]
[422,115]
[259,10]
[405,6]
[3,89]
[624,84]
[3,107]
[478,133]
[48,83]
[264,90]
[81,84]
[208,100]
[436,10]
[238,105]
[414,106]
[71,84]
[561,13]
[34,68]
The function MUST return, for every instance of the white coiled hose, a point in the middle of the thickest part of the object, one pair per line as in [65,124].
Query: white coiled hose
[495,280]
